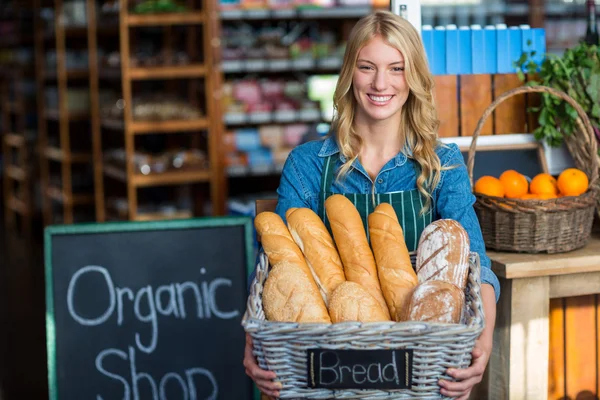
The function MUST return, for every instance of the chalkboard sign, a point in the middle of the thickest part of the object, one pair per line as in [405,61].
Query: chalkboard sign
[148,310]
[360,369]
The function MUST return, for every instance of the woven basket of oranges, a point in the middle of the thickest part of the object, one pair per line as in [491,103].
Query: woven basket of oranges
[547,214]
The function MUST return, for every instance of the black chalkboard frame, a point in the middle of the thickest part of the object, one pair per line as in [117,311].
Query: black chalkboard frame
[125,226]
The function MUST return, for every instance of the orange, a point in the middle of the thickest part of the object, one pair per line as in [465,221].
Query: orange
[490,186]
[515,184]
[547,196]
[572,182]
[543,184]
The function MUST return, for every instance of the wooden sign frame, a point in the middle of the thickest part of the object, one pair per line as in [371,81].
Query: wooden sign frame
[126,226]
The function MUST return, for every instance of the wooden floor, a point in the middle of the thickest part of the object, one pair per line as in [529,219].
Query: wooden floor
[22,318]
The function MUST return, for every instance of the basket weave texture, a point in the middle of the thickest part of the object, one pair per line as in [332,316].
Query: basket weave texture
[535,226]
[282,346]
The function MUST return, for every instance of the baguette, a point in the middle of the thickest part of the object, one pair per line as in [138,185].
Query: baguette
[436,301]
[290,296]
[351,302]
[279,246]
[396,274]
[313,238]
[351,240]
[443,253]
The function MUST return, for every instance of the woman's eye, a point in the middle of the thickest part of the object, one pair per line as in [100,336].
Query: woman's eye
[364,67]
[398,69]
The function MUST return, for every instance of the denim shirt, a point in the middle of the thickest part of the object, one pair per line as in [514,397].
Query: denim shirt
[301,178]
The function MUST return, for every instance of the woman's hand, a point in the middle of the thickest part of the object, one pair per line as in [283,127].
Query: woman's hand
[466,378]
[262,378]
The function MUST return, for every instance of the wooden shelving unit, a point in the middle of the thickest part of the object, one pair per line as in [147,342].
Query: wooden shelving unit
[15,106]
[200,22]
[70,125]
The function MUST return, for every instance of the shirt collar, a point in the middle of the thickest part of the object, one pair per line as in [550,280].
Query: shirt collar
[330,147]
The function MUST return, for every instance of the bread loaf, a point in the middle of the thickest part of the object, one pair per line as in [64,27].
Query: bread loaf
[436,301]
[443,253]
[313,238]
[396,274]
[279,246]
[290,296]
[351,241]
[351,302]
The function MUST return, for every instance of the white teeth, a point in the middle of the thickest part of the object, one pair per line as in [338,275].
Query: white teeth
[380,98]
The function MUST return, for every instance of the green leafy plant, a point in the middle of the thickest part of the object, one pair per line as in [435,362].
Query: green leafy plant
[577,73]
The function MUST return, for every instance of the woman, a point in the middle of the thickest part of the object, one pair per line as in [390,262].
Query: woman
[384,148]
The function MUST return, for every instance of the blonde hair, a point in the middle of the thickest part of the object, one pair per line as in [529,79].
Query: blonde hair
[419,122]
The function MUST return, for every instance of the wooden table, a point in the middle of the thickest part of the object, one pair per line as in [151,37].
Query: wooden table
[518,367]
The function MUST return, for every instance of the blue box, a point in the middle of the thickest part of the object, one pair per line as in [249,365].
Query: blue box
[439,51]
[504,65]
[490,58]
[465,51]
[527,42]
[452,50]
[539,45]
[516,45]
[427,37]
[477,49]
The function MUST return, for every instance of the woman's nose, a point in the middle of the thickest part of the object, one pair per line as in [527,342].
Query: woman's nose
[380,80]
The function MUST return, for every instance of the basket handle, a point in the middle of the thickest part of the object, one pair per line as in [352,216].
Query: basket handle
[583,121]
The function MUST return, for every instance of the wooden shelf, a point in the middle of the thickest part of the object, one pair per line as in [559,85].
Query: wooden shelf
[171,178]
[18,206]
[142,127]
[14,140]
[54,115]
[166,19]
[157,216]
[57,154]
[60,196]
[158,179]
[75,73]
[168,72]
[16,173]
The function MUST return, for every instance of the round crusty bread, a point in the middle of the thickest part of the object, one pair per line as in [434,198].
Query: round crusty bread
[313,238]
[443,253]
[436,301]
[290,296]
[351,302]
[352,244]
[396,274]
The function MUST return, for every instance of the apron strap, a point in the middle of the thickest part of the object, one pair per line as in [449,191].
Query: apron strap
[327,177]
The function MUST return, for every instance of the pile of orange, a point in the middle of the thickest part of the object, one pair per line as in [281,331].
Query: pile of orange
[514,185]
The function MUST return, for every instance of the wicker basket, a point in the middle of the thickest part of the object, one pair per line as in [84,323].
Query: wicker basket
[535,226]
[282,347]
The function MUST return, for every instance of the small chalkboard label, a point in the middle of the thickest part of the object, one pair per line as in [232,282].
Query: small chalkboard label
[360,369]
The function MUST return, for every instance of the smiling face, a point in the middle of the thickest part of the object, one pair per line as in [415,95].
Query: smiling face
[378,83]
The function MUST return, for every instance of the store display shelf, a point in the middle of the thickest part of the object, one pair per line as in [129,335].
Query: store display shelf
[293,13]
[54,114]
[18,205]
[157,216]
[158,179]
[171,178]
[145,127]
[279,65]
[286,116]
[110,123]
[166,19]
[59,155]
[168,72]
[16,173]
[60,196]
[75,73]
[14,140]
[12,107]
[239,171]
